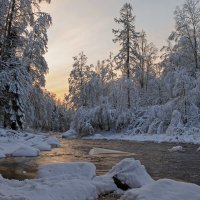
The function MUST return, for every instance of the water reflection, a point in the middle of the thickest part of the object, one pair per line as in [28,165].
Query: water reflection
[158,161]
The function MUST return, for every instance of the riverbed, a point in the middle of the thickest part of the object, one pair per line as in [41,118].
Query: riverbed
[159,162]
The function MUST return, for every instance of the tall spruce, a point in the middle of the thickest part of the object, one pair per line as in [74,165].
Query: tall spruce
[127,38]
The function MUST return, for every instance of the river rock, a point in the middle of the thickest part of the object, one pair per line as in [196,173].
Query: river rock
[43,146]
[129,173]
[70,134]
[54,142]
[25,151]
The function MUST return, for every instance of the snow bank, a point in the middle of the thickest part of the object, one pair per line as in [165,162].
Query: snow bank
[69,181]
[104,184]
[70,134]
[129,172]
[82,170]
[78,181]
[43,146]
[26,152]
[54,142]
[187,137]
[14,143]
[166,190]
[44,189]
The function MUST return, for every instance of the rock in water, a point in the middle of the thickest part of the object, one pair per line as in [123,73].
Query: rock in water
[129,173]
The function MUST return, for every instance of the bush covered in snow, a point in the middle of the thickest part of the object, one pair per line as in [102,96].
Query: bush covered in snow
[102,118]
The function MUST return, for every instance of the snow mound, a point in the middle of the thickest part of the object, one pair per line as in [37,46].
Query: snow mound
[166,190]
[70,134]
[54,142]
[176,148]
[43,146]
[26,151]
[96,151]
[58,185]
[81,170]
[104,184]
[44,189]
[16,143]
[131,173]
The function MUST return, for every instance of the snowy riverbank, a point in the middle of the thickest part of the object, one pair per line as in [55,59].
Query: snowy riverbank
[128,180]
[23,144]
[158,138]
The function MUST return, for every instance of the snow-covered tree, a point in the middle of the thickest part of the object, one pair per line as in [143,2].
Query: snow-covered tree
[127,38]
[187,30]
[17,19]
[79,77]
[145,65]
[35,49]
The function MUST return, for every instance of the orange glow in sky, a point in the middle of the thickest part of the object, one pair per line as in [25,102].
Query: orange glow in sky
[86,25]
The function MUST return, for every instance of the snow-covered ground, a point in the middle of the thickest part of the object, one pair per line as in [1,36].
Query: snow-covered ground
[69,181]
[164,189]
[78,181]
[22,144]
[158,138]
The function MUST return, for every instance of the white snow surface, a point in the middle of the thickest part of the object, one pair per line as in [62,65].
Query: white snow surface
[43,146]
[54,142]
[78,181]
[82,184]
[71,134]
[81,170]
[131,172]
[158,138]
[164,189]
[26,152]
[45,189]
[22,144]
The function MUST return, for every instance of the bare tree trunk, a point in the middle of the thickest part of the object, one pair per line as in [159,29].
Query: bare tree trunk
[128,68]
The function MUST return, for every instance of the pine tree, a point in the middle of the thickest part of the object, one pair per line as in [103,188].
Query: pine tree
[127,38]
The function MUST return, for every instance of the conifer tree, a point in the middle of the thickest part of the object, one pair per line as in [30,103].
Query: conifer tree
[127,38]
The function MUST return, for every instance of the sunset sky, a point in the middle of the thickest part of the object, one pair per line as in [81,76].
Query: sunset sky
[86,25]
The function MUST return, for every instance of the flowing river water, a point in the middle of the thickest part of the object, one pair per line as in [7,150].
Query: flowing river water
[159,162]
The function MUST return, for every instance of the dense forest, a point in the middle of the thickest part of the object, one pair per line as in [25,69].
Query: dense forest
[141,89]
[24,103]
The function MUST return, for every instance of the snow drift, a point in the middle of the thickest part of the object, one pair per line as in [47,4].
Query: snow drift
[164,189]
